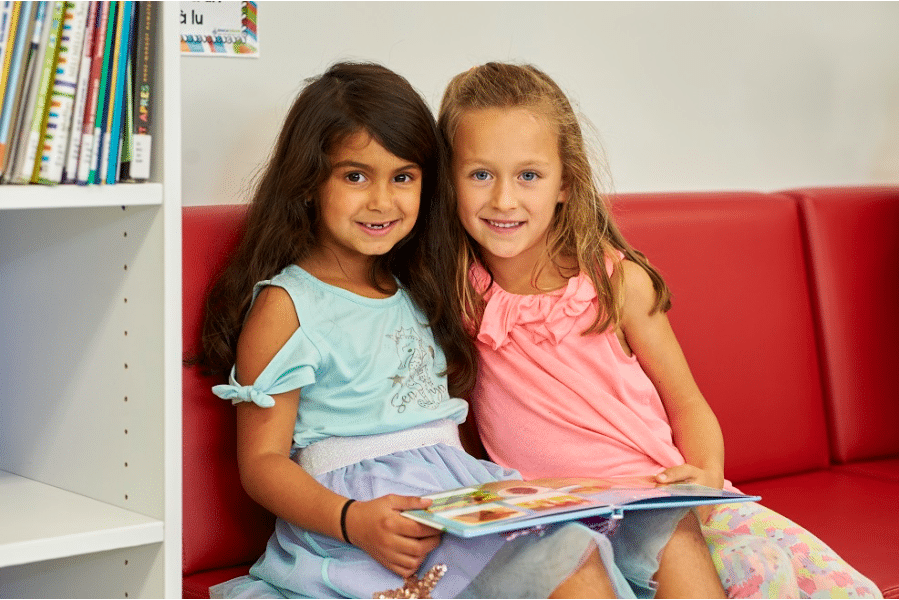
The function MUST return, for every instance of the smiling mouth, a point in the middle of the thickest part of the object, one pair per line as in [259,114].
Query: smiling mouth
[379,226]
[504,224]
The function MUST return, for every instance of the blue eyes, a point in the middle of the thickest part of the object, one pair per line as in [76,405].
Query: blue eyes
[528,176]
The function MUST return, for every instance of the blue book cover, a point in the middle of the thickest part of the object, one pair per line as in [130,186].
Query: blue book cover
[115,129]
[508,506]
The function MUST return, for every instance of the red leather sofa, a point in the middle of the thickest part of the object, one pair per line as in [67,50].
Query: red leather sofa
[787,307]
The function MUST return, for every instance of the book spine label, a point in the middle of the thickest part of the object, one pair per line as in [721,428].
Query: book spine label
[140,160]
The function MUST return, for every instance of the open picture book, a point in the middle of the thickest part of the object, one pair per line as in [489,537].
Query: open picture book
[514,505]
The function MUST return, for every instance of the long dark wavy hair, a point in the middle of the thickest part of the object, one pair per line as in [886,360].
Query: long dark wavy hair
[283,217]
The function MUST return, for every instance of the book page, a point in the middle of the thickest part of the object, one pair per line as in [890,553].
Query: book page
[510,505]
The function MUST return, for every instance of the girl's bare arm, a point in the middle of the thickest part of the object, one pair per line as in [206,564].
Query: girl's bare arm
[696,431]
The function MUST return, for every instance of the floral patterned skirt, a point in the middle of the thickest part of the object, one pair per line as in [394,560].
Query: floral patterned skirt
[762,554]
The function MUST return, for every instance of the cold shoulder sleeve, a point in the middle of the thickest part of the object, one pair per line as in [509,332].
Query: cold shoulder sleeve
[292,367]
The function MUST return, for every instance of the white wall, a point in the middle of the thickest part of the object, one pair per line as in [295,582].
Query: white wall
[684,96]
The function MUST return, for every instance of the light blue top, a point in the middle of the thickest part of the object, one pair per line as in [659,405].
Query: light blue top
[363,365]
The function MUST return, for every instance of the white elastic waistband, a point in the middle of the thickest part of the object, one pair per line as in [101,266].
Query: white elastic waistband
[336,452]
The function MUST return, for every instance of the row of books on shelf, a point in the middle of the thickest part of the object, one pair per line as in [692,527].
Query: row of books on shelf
[75,91]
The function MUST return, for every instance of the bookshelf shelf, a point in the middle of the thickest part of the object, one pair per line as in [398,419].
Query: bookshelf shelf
[14,197]
[53,523]
[90,384]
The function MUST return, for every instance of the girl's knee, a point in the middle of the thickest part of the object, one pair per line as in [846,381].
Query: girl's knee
[754,567]
[590,580]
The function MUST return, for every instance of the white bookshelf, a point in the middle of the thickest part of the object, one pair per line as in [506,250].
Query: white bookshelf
[14,197]
[90,381]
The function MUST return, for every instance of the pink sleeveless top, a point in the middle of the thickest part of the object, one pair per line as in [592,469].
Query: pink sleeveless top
[551,402]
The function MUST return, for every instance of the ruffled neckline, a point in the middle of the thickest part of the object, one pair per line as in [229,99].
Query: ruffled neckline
[545,318]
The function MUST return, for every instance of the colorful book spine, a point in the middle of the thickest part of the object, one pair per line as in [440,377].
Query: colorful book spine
[70,171]
[86,152]
[16,84]
[9,21]
[143,91]
[103,96]
[31,165]
[25,109]
[128,104]
[62,94]
[123,43]
[127,123]
[103,162]
[76,87]
[15,47]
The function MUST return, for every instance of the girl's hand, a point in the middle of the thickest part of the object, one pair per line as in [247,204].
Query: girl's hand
[398,543]
[690,474]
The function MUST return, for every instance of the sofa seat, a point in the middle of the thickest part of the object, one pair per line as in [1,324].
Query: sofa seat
[197,585]
[887,468]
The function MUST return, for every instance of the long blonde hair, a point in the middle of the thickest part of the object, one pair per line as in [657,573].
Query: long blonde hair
[582,227]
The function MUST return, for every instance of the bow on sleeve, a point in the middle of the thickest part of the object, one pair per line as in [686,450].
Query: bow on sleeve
[243,393]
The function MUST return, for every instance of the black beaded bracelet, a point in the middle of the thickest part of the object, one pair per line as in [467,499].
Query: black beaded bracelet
[346,538]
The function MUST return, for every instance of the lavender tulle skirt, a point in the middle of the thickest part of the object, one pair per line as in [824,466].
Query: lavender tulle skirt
[302,564]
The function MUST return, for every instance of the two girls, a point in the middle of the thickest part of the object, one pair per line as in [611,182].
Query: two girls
[338,334]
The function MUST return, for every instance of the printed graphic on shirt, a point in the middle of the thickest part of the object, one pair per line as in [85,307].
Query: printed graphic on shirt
[416,373]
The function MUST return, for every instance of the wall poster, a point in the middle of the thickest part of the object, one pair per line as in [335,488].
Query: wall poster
[219,29]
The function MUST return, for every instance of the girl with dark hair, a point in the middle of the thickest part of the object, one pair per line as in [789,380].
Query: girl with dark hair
[344,345]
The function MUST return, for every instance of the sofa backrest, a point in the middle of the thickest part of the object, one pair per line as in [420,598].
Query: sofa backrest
[743,316]
[853,244]
[222,526]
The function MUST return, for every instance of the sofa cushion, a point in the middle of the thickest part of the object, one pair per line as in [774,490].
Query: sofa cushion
[854,514]
[222,526]
[853,244]
[198,584]
[742,314]
[885,468]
